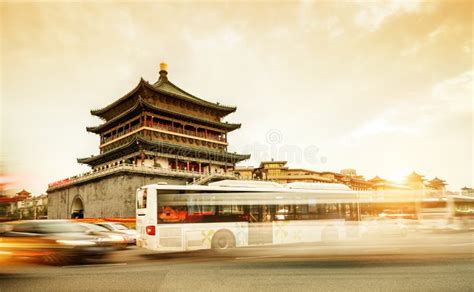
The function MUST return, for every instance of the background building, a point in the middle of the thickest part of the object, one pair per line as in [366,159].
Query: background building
[381,184]
[23,206]
[156,132]
[278,171]
[437,184]
[465,191]
[413,181]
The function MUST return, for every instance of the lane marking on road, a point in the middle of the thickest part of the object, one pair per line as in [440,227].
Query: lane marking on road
[92,265]
[381,249]
[463,244]
[258,257]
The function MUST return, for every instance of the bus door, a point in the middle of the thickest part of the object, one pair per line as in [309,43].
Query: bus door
[141,211]
[146,217]
[260,224]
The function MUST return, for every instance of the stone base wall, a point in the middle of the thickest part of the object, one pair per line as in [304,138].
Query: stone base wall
[111,196]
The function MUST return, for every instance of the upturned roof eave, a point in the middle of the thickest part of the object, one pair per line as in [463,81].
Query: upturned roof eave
[226,109]
[97,129]
[141,102]
[100,112]
[88,160]
[227,126]
[190,97]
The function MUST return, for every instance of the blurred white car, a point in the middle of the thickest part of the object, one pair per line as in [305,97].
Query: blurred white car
[130,235]
[117,240]
[54,242]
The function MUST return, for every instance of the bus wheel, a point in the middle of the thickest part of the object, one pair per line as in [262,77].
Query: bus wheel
[330,235]
[223,240]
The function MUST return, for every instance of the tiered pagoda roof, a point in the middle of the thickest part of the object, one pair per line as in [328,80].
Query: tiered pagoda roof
[138,144]
[415,177]
[437,182]
[140,104]
[23,193]
[376,179]
[167,102]
[165,87]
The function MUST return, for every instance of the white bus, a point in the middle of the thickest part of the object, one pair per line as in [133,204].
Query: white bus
[454,212]
[230,214]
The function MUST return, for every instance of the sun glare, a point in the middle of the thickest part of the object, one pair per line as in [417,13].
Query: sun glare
[398,177]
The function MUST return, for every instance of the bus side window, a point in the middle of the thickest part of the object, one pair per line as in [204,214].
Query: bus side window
[208,210]
[193,207]
[172,214]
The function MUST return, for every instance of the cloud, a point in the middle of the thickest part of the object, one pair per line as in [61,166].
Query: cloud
[412,50]
[334,27]
[381,125]
[437,32]
[227,38]
[449,98]
[456,93]
[372,14]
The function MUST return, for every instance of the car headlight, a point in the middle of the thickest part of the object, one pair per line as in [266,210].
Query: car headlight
[117,238]
[76,242]
[112,238]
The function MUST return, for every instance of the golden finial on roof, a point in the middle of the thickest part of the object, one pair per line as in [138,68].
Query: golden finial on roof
[163,66]
[163,71]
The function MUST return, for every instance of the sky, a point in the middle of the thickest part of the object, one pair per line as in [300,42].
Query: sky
[385,88]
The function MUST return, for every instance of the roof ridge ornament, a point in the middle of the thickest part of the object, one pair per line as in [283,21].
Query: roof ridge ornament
[163,72]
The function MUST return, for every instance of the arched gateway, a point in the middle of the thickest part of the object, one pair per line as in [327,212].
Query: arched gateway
[77,208]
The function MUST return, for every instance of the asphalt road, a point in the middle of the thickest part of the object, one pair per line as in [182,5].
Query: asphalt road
[429,264]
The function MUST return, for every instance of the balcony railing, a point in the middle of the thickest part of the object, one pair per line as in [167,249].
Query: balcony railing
[168,128]
[124,132]
[134,168]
